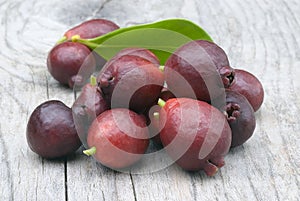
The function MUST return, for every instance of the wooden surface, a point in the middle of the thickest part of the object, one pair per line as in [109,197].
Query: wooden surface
[260,36]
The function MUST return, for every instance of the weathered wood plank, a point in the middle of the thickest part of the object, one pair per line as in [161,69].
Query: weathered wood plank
[259,36]
[88,180]
[24,175]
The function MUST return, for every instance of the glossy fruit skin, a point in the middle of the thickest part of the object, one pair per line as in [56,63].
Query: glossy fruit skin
[92,28]
[241,117]
[89,104]
[195,135]
[65,61]
[51,131]
[220,59]
[131,82]
[139,52]
[203,66]
[249,86]
[216,53]
[120,136]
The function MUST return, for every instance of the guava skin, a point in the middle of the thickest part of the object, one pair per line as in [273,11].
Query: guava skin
[241,117]
[88,105]
[195,134]
[139,52]
[51,131]
[92,28]
[249,86]
[66,59]
[202,66]
[120,137]
[216,53]
[131,82]
[220,59]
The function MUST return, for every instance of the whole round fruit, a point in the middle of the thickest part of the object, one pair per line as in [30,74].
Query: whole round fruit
[51,131]
[86,108]
[131,82]
[92,28]
[249,86]
[66,59]
[118,138]
[241,117]
[195,134]
[203,66]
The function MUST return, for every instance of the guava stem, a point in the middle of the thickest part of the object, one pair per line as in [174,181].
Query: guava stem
[75,38]
[162,68]
[156,115]
[61,40]
[161,102]
[89,152]
[93,80]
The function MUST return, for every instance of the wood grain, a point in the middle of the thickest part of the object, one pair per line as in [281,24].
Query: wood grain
[259,36]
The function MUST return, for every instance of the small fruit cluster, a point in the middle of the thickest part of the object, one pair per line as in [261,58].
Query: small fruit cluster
[67,58]
[205,106]
[51,131]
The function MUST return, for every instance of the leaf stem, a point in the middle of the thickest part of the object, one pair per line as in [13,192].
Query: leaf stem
[89,152]
[61,40]
[91,45]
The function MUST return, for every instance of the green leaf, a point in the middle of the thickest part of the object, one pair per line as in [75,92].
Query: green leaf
[162,38]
